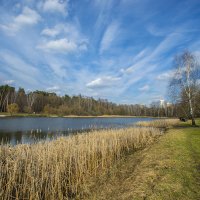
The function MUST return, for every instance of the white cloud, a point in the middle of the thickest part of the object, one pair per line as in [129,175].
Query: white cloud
[72,40]
[165,75]
[8,82]
[103,82]
[59,46]
[69,30]
[54,6]
[50,32]
[27,17]
[144,88]
[53,89]
[109,36]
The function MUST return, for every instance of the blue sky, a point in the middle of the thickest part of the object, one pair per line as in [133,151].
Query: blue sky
[119,50]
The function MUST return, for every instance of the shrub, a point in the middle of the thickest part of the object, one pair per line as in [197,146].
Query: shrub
[13,108]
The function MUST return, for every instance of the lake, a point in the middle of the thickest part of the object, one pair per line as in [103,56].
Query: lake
[15,130]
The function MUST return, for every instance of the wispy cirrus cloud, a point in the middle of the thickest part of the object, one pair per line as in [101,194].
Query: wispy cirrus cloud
[153,30]
[109,36]
[103,82]
[165,75]
[20,69]
[144,88]
[162,48]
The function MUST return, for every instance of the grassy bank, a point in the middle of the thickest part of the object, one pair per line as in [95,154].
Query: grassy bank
[62,168]
[168,169]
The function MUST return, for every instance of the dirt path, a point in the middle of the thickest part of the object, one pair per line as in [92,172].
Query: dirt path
[126,180]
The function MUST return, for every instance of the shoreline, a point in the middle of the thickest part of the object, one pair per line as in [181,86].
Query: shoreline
[4,115]
[107,116]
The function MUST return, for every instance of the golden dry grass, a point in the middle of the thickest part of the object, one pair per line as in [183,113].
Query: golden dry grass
[60,169]
[161,123]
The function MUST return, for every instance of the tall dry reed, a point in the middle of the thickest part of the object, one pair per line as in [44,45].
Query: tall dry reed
[161,123]
[59,169]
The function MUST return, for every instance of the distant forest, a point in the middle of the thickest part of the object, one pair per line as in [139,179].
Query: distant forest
[42,102]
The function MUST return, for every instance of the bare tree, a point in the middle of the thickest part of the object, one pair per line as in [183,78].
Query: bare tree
[185,83]
[30,97]
[6,94]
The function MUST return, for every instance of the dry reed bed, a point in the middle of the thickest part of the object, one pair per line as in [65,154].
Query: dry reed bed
[161,123]
[60,169]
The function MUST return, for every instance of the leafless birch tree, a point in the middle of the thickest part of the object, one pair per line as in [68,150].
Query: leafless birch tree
[30,97]
[184,85]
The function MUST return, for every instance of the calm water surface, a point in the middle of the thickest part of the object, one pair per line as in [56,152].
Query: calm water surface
[16,130]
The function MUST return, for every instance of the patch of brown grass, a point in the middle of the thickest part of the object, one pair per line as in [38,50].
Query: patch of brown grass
[60,169]
[161,123]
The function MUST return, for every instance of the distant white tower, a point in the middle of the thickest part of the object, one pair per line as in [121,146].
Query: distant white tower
[162,103]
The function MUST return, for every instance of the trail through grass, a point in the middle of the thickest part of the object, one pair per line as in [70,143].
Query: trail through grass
[169,169]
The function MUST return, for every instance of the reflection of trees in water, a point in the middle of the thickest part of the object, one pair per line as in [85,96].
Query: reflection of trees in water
[11,138]
[18,137]
[34,136]
[5,137]
[40,135]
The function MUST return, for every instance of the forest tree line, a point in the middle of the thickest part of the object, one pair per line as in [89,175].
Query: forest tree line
[42,102]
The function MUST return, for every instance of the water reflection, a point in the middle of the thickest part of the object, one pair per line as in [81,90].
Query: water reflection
[31,130]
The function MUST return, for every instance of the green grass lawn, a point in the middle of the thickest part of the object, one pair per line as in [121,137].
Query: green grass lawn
[167,170]
[178,166]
